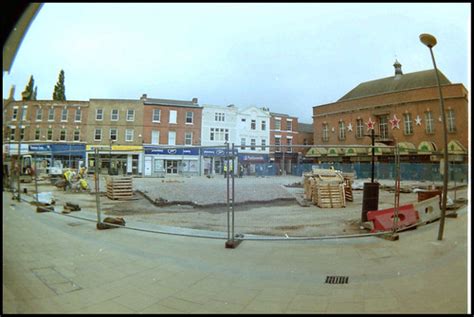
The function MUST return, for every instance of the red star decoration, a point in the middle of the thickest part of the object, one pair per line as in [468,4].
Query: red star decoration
[395,122]
[370,124]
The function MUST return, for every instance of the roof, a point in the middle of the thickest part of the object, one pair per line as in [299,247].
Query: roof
[391,84]
[170,102]
[305,127]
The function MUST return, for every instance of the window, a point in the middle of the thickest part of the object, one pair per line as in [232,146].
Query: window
[37,133]
[211,137]
[189,116]
[77,135]
[130,115]
[98,135]
[188,138]
[15,113]
[383,126]
[78,115]
[226,134]
[64,114]
[49,136]
[253,124]
[342,130]
[305,142]
[12,134]
[219,116]
[359,128]
[156,115]
[113,134]
[408,123]
[114,115]
[264,143]
[451,121]
[242,143]
[429,122]
[171,138]
[62,135]
[129,135]
[23,113]
[22,133]
[99,114]
[219,134]
[277,124]
[325,135]
[243,119]
[289,142]
[155,137]
[252,144]
[172,116]
[277,144]
[264,125]
[39,114]
[289,125]
[51,114]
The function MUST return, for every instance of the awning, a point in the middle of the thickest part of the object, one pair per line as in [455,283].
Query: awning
[355,151]
[334,151]
[316,152]
[380,149]
[406,148]
[455,147]
[426,147]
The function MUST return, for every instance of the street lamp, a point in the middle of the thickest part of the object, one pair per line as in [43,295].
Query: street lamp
[430,41]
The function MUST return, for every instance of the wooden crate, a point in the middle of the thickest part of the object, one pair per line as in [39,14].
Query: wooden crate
[120,188]
[329,195]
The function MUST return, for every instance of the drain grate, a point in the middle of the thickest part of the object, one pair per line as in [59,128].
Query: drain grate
[337,279]
[73,224]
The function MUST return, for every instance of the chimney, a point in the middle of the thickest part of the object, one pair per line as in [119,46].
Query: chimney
[11,96]
[195,100]
[398,69]
[143,96]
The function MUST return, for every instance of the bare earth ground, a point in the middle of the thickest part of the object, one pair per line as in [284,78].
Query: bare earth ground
[263,205]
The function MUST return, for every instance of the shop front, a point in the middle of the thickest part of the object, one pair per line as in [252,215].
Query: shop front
[252,163]
[214,159]
[70,154]
[161,162]
[115,159]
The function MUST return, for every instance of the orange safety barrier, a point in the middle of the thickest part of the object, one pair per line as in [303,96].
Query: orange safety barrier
[383,219]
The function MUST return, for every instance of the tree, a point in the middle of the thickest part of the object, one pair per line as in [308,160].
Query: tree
[27,94]
[59,92]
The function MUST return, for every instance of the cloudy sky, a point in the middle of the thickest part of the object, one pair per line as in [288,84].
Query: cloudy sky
[288,57]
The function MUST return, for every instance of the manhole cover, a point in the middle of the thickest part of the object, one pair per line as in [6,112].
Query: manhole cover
[337,279]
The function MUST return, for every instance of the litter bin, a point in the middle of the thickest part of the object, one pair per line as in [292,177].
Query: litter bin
[370,199]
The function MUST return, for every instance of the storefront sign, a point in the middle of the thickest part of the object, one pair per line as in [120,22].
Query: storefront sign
[216,152]
[40,147]
[170,151]
[257,158]
[68,149]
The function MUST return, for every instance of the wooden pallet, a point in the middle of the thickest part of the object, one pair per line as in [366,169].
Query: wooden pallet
[120,188]
[329,195]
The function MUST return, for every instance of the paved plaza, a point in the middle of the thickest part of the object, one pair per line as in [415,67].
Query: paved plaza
[55,263]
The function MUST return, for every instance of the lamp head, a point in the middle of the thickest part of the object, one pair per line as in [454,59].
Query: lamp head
[428,39]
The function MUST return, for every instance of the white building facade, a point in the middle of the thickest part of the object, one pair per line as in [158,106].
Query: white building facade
[218,128]
[253,138]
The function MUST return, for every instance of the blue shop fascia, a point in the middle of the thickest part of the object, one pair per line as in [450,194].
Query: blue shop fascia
[70,154]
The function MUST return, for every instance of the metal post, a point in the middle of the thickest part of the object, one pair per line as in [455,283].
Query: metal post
[373,153]
[96,181]
[36,180]
[445,135]
[228,191]
[233,192]
[19,152]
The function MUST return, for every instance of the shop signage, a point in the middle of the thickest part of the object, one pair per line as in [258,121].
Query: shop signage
[40,147]
[216,152]
[170,151]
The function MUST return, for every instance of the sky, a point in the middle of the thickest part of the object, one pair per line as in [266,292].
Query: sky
[288,57]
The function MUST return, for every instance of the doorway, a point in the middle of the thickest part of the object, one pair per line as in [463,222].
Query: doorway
[171,167]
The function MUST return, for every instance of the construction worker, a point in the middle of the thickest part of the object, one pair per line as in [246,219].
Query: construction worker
[82,172]
[68,174]
[225,170]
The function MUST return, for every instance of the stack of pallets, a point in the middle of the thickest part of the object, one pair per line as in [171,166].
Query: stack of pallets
[120,188]
[325,188]
[348,180]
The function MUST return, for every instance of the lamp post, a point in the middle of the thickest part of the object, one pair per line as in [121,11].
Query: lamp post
[430,41]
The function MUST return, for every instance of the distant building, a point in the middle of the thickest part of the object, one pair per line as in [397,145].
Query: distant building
[115,128]
[404,109]
[304,137]
[283,135]
[168,123]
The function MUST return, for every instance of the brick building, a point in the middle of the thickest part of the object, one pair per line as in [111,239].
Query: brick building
[404,110]
[304,137]
[115,127]
[51,129]
[168,122]
[283,134]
